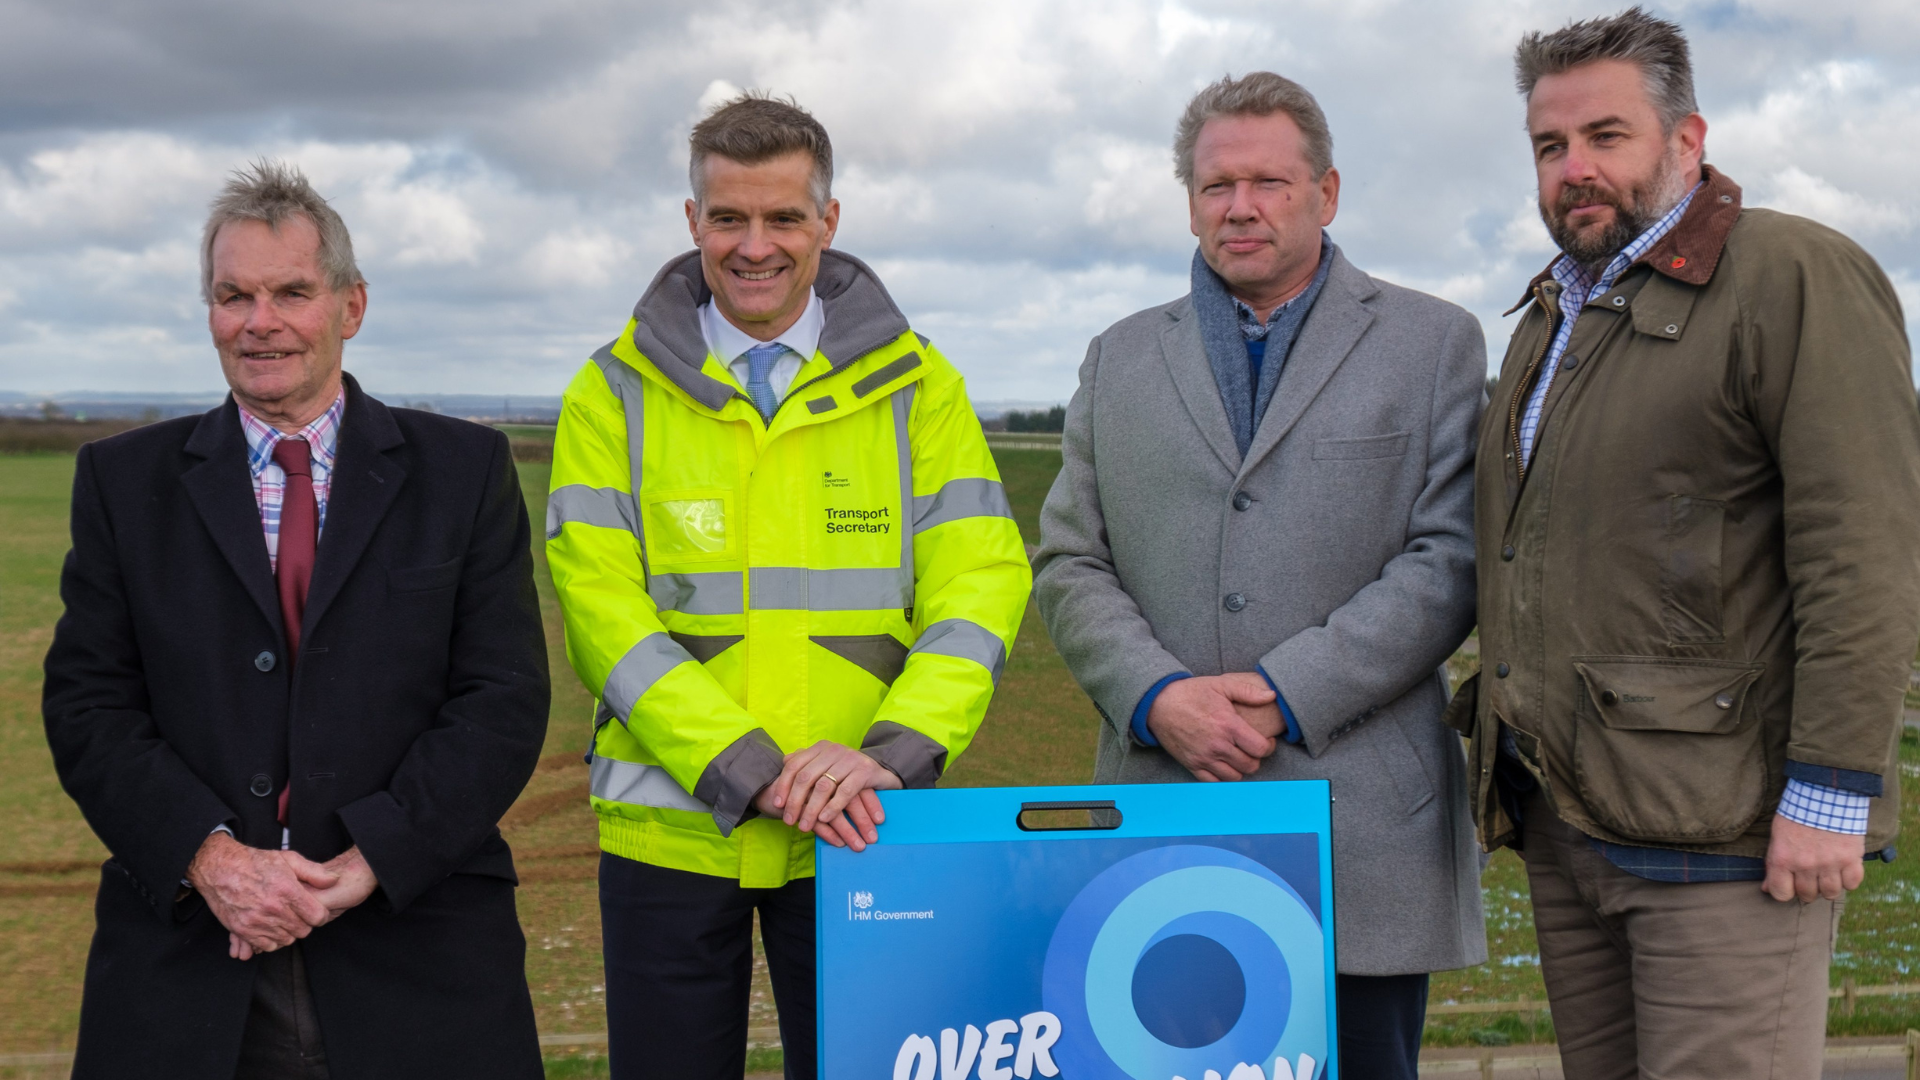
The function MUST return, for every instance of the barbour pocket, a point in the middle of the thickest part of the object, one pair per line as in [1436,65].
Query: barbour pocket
[1665,749]
[1690,586]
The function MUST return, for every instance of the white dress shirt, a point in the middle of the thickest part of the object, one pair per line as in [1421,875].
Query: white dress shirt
[730,343]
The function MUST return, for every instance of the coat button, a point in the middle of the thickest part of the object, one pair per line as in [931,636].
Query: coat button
[1608,697]
[1723,701]
[1235,601]
[1506,553]
[1570,363]
[262,785]
[1500,670]
[264,661]
[1242,500]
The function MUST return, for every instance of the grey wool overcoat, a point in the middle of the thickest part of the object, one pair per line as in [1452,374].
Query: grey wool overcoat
[1350,565]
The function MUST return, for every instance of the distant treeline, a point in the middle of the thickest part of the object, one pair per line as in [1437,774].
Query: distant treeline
[56,436]
[1054,420]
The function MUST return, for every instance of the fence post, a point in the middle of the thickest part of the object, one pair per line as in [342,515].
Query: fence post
[1913,1054]
[1486,1061]
[1850,996]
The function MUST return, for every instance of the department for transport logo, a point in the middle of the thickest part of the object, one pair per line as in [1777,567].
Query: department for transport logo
[827,479]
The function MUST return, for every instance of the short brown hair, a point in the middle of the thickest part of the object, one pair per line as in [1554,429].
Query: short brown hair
[1657,47]
[757,127]
[1258,93]
[271,192]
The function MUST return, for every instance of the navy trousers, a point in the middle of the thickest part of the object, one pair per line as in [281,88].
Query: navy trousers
[1381,1018]
[679,962]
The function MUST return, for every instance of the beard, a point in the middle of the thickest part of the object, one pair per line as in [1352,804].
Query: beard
[1644,202]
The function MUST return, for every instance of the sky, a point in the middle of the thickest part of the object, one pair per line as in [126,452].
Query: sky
[513,171]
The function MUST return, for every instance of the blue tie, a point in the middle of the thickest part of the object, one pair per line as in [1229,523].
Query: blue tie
[760,361]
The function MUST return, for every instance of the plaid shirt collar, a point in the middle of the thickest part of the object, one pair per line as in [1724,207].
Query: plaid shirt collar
[322,435]
[1573,277]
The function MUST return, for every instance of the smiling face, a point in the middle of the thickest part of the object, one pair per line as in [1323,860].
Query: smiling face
[277,325]
[1606,169]
[760,237]
[1257,207]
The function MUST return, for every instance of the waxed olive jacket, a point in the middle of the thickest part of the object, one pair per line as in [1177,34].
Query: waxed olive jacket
[1707,579]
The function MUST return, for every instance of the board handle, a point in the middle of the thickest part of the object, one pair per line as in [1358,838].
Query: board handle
[1074,815]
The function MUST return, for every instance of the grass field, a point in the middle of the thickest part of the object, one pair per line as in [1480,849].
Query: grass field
[1040,730]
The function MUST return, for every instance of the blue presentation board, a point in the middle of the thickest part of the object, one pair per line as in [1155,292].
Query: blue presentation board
[1191,941]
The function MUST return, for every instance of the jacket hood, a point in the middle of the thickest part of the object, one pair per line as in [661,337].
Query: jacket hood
[860,317]
[1690,252]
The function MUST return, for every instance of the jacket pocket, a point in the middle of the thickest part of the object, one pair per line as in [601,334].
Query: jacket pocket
[413,579]
[1690,588]
[1665,749]
[1373,446]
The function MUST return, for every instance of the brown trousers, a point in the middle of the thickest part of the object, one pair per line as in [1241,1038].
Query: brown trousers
[1665,981]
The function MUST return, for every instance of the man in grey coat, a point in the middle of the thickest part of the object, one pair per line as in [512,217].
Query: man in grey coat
[1258,554]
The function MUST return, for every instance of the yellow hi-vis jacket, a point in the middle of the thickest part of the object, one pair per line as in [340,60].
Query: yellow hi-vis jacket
[735,590]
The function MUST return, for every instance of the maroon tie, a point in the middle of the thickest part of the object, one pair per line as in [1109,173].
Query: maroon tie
[293,567]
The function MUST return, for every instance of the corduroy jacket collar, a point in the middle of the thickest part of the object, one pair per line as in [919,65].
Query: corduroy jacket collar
[1692,250]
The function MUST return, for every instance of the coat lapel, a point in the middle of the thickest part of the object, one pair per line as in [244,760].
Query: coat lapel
[1193,378]
[1335,325]
[221,489]
[365,482]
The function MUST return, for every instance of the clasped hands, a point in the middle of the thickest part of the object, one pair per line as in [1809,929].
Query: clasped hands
[1220,727]
[828,789]
[267,900]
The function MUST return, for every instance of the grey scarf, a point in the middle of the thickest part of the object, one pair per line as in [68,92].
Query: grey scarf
[1226,347]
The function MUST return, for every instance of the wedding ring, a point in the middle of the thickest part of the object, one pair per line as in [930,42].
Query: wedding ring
[835,779]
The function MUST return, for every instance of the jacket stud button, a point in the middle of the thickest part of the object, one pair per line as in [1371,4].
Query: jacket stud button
[1619,301]
[1673,328]
[264,661]
[1570,363]
[1608,697]
[1506,553]
[262,785]
[1723,701]
[1242,500]
[1500,670]
[1235,601]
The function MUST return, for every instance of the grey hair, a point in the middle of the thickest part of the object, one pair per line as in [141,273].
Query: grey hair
[1657,47]
[272,191]
[1258,93]
[757,127]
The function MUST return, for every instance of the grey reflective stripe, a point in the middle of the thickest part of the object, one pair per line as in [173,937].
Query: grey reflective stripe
[578,504]
[715,593]
[903,447]
[794,588]
[640,785]
[635,674]
[964,498]
[966,640]
[627,385]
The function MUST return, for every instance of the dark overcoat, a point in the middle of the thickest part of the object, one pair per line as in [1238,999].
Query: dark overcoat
[408,723]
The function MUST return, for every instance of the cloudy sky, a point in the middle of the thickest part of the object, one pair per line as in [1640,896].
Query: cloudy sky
[513,170]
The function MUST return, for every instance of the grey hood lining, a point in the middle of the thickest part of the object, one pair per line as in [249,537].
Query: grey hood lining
[860,317]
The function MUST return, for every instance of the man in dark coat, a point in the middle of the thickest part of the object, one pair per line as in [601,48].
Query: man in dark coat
[300,676]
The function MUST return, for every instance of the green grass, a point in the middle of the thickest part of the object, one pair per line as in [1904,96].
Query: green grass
[1039,730]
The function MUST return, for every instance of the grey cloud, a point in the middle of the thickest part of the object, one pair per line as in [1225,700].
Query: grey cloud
[514,171]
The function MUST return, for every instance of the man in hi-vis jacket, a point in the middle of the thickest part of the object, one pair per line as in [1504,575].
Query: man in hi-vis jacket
[791,577]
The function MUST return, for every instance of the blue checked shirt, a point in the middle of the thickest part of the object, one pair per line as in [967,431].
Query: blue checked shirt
[1813,805]
[270,482]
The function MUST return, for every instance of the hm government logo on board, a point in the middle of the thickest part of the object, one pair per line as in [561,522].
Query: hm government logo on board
[860,909]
